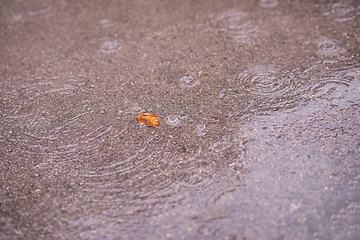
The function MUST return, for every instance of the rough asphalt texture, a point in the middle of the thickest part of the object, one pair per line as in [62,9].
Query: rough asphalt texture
[258,101]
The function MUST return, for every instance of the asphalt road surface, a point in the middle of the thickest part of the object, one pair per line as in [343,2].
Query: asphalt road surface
[259,111]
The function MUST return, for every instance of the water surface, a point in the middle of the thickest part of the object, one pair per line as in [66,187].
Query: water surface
[258,104]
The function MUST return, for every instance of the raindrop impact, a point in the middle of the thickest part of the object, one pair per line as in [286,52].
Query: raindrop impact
[188,82]
[329,47]
[238,27]
[173,120]
[266,81]
[343,12]
[108,46]
[201,129]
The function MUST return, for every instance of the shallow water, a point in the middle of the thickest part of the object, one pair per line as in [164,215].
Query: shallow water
[258,104]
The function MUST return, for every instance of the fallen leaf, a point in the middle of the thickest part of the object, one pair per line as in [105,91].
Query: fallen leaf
[149,119]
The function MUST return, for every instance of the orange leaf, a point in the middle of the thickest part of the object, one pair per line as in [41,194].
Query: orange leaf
[149,119]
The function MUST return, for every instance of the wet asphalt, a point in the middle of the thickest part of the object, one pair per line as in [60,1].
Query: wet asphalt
[258,104]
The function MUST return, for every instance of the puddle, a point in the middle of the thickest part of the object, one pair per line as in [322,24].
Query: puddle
[258,106]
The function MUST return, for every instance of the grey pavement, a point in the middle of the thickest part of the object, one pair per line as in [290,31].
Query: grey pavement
[258,103]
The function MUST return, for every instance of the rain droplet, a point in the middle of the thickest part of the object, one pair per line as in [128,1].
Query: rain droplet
[188,82]
[201,129]
[173,120]
[328,47]
[108,46]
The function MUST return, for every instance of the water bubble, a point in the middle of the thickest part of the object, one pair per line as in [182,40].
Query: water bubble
[268,3]
[109,46]
[234,22]
[201,129]
[230,14]
[173,120]
[266,81]
[188,82]
[237,165]
[328,47]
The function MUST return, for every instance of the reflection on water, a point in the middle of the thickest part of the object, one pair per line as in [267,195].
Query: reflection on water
[243,153]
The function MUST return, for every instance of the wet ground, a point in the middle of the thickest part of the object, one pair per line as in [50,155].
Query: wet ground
[259,108]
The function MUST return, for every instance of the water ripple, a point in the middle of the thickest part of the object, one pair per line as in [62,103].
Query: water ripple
[168,166]
[342,12]
[244,33]
[237,26]
[154,169]
[266,81]
[40,12]
[26,98]
[270,88]
[188,82]
[221,145]
[173,120]
[268,3]
[326,87]
[201,129]
[110,46]
[329,47]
